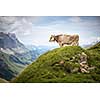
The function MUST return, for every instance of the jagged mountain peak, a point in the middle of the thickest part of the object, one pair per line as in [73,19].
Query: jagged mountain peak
[10,41]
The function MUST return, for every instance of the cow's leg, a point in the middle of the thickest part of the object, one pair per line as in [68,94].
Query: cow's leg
[65,45]
[77,43]
[60,44]
[73,44]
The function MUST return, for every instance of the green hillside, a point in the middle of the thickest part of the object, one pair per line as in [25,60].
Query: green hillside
[59,66]
[95,59]
[8,68]
[95,54]
[96,47]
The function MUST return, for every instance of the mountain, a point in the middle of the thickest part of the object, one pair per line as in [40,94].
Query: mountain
[95,47]
[90,44]
[3,81]
[14,56]
[40,49]
[8,67]
[58,66]
[10,42]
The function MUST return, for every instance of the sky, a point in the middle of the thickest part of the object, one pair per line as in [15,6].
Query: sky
[36,30]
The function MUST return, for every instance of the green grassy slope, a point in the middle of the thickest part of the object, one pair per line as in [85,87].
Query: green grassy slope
[9,69]
[95,54]
[47,67]
[95,60]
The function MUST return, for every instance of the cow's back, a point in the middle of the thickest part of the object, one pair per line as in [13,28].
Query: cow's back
[68,39]
[63,38]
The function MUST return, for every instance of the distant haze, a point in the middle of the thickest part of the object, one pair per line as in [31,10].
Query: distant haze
[36,30]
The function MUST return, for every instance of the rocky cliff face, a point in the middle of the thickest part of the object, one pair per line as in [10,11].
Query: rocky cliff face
[10,44]
[9,41]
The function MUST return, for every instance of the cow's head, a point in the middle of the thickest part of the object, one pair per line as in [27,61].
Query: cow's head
[52,38]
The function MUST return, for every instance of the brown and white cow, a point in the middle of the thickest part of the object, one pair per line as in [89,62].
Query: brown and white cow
[65,40]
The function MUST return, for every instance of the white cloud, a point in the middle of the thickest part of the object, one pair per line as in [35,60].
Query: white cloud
[30,33]
[85,30]
[17,24]
[75,19]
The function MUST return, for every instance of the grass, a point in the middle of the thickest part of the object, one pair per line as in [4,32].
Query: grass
[46,69]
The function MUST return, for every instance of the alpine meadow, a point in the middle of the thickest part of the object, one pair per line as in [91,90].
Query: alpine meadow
[49,49]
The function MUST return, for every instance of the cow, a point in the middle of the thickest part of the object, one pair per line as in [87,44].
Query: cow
[65,40]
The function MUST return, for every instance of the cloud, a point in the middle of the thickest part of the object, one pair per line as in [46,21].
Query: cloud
[17,24]
[75,19]
[34,30]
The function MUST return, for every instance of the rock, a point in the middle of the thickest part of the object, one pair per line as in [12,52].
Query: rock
[75,70]
[61,62]
[83,63]
[72,59]
[83,58]
[91,68]
[83,70]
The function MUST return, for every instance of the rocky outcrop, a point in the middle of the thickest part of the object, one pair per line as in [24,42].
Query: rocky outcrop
[82,60]
[9,41]
[84,67]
